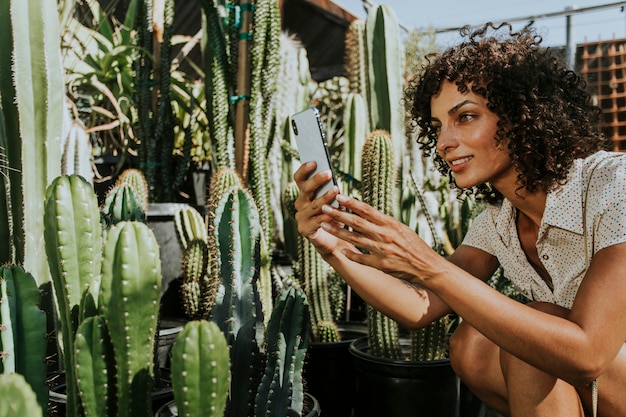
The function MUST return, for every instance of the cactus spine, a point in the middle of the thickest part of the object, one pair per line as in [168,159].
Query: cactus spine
[122,203]
[72,235]
[129,299]
[18,397]
[237,308]
[137,181]
[199,287]
[22,330]
[189,226]
[281,390]
[200,370]
[32,95]
[377,189]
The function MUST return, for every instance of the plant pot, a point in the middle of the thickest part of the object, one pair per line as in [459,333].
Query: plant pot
[58,398]
[311,408]
[329,372]
[394,388]
[168,330]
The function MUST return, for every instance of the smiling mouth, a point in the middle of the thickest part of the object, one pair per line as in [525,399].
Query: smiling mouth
[460,161]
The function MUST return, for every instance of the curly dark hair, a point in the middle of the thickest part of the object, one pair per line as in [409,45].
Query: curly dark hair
[544,108]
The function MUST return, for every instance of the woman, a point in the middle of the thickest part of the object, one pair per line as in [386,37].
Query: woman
[508,122]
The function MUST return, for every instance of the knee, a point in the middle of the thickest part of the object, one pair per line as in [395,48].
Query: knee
[468,351]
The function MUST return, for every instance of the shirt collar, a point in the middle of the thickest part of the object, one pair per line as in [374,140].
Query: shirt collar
[563,207]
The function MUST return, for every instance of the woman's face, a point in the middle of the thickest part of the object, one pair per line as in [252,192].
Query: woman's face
[467,138]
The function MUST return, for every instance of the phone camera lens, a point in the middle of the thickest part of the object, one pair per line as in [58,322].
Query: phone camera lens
[294,127]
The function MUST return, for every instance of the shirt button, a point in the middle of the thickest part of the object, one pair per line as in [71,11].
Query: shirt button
[545,257]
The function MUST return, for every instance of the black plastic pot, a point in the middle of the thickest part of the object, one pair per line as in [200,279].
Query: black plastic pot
[394,388]
[329,372]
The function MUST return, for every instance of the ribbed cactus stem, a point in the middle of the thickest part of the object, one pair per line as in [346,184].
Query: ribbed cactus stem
[198,287]
[356,57]
[355,132]
[237,308]
[73,239]
[377,188]
[95,370]
[18,398]
[431,342]
[189,226]
[281,390]
[137,181]
[385,62]
[129,299]
[200,370]
[122,203]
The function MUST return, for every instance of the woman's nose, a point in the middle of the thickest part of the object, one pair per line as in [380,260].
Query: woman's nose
[445,140]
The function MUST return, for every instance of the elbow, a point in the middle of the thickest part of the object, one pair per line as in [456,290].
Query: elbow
[588,371]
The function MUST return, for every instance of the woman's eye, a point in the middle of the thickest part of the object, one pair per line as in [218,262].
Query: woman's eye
[465,117]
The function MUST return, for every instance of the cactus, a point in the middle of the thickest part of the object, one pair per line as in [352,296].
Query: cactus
[355,57]
[129,299]
[189,226]
[18,397]
[95,371]
[138,183]
[237,308]
[200,370]
[22,330]
[76,157]
[122,204]
[73,242]
[198,287]
[281,390]
[377,187]
[32,102]
[355,132]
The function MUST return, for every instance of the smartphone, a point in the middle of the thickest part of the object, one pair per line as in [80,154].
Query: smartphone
[310,139]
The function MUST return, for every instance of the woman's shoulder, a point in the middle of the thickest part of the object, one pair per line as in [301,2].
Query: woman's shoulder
[604,163]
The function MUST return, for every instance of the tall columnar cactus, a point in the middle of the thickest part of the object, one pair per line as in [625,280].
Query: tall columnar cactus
[198,287]
[129,299]
[237,308]
[164,173]
[76,156]
[377,187]
[18,398]
[385,63]
[189,226]
[281,392]
[313,272]
[32,101]
[72,236]
[22,330]
[356,57]
[95,368]
[355,132]
[200,370]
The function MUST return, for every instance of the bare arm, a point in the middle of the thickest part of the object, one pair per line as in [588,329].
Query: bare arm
[576,349]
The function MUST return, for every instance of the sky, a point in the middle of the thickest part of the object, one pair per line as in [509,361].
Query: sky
[606,24]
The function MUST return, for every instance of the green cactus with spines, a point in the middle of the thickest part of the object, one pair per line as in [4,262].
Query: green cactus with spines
[189,225]
[377,189]
[137,180]
[355,132]
[32,98]
[237,309]
[356,57]
[95,367]
[290,194]
[18,397]
[327,332]
[73,241]
[281,392]
[23,330]
[122,203]
[313,272]
[129,299]
[198,287]
[431,342]
[200,370]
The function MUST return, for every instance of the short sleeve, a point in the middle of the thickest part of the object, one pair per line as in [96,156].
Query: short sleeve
[611,228]
[481,232]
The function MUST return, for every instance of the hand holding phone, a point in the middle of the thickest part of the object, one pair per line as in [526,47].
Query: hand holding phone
[310,139]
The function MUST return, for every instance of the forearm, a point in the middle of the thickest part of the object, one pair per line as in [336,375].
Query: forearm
[408,304]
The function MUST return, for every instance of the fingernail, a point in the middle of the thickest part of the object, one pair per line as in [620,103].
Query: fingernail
[341,198]
[327,209]
[325,226]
